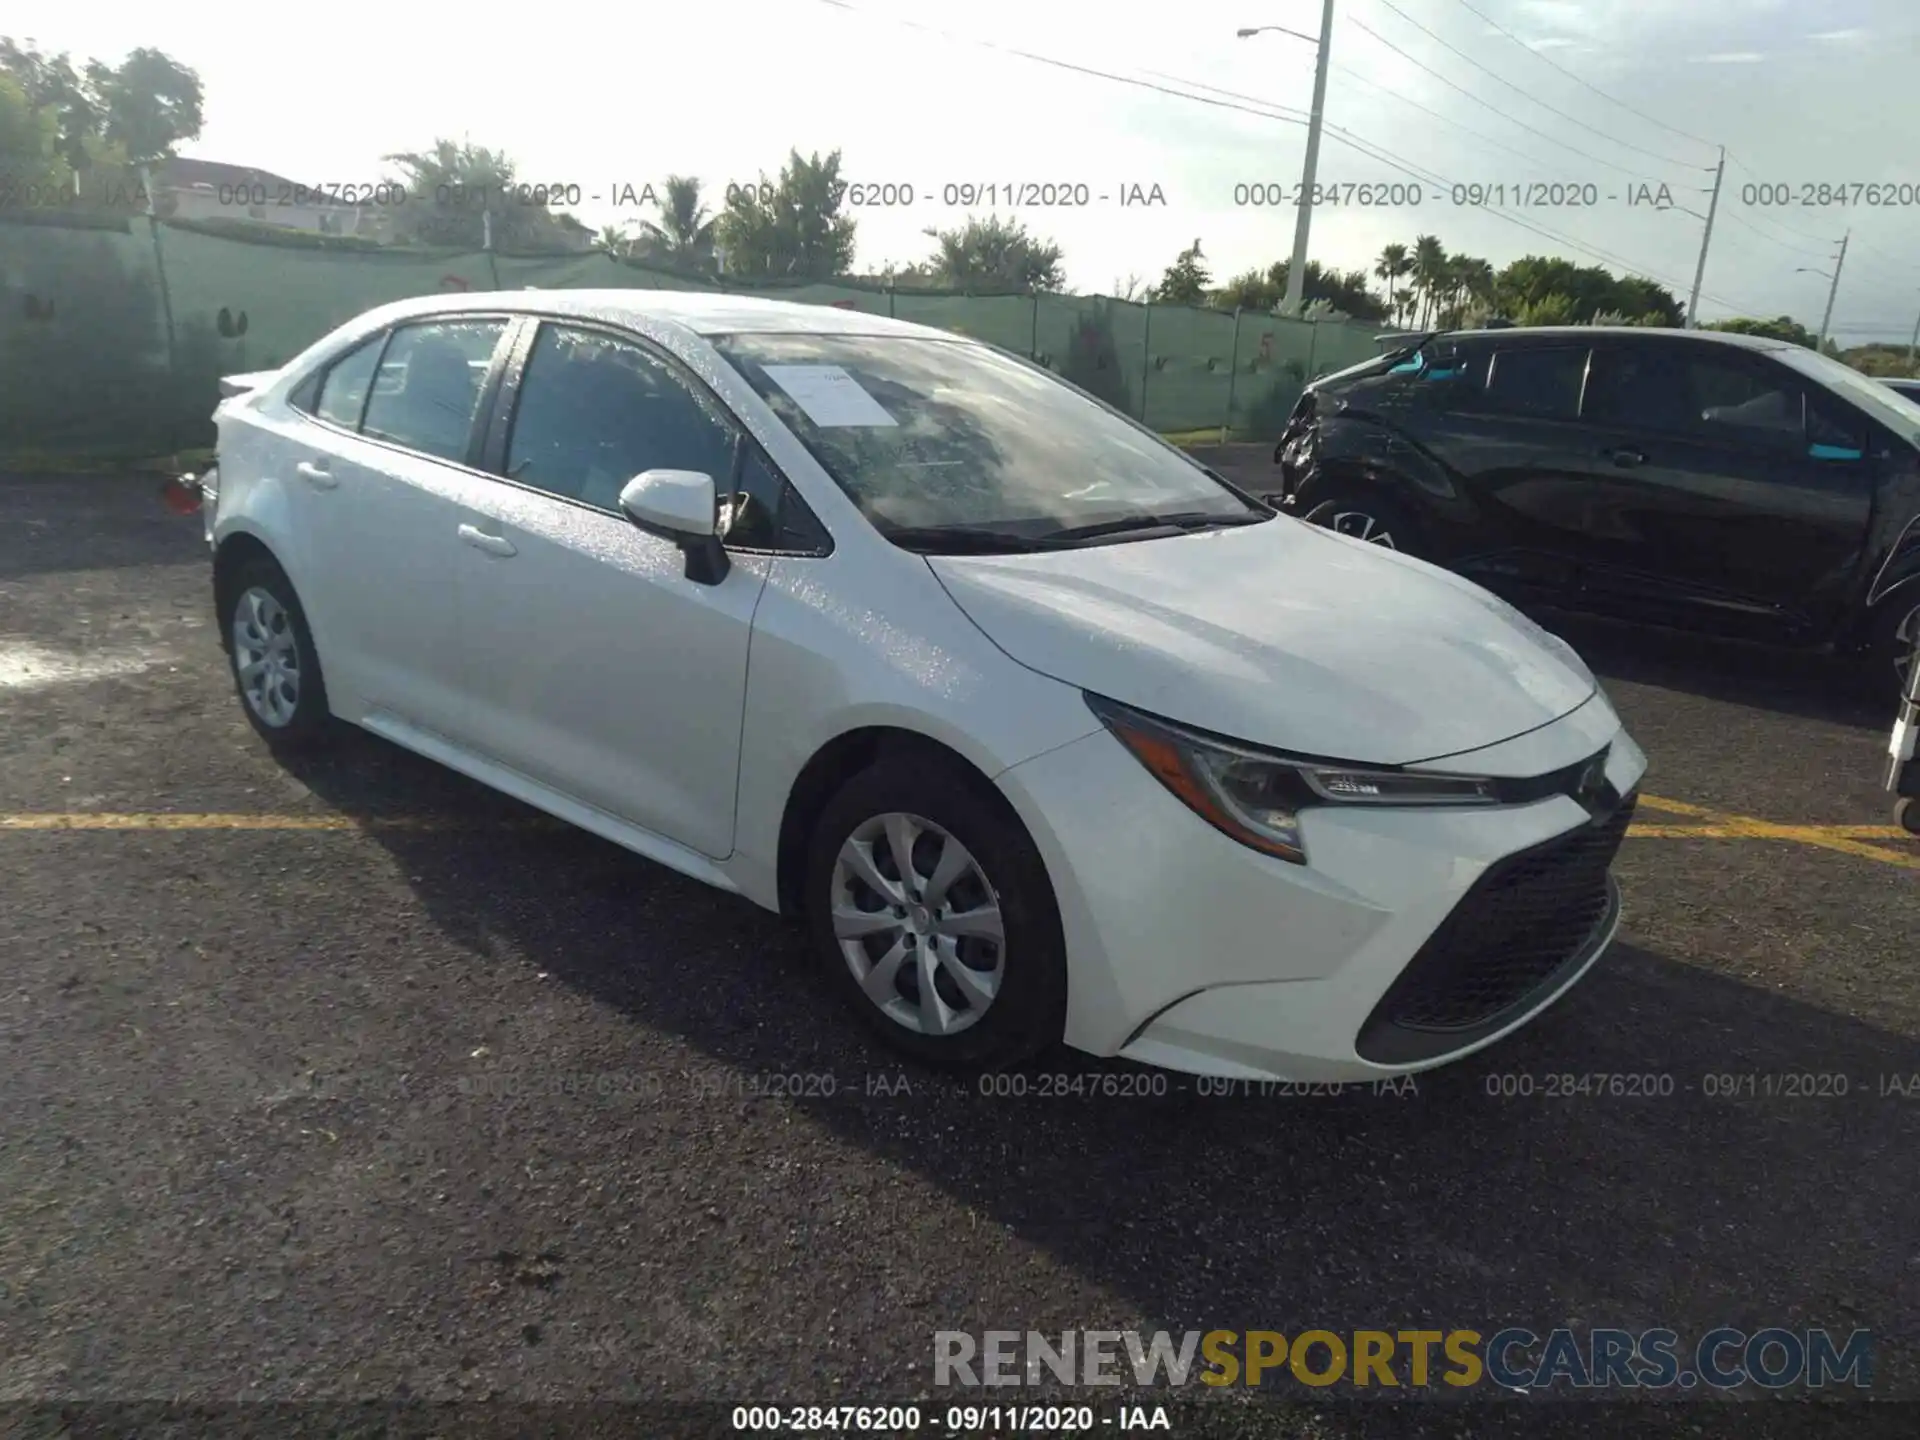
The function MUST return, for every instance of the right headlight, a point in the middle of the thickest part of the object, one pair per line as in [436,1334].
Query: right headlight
[1257,796]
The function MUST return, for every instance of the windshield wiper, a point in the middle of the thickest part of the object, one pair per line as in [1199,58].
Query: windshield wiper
[1184,522]
[960,540]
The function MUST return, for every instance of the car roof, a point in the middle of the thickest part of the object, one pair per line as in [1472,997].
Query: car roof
[1664,334]
[702,312]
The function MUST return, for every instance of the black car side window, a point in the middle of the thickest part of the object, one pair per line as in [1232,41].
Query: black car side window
[1638,387]
[1539,382]
[1833,433]
[1733,402]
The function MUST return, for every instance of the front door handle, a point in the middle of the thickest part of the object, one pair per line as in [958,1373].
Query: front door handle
[492,544]
[315,475]
[1626,459]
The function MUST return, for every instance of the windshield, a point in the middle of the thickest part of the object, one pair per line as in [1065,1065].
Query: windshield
[926,435]
[1889,406]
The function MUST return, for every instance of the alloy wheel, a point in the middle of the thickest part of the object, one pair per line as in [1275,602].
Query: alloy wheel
[1359,525]
[918,923]
[1906,644]
[266,657]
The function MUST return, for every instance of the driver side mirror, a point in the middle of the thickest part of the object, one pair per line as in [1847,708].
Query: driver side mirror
[681,506]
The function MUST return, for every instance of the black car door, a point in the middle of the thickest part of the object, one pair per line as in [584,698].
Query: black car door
[1725,495]
[1504,425]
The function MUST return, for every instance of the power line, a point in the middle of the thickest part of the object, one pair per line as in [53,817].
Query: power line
[1297,118]
[1574,119]
[1482,103]
[1795,249]
[1266,110]
[1427,110]
[1547,60]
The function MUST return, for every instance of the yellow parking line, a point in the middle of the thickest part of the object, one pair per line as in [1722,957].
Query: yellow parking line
[1839,838]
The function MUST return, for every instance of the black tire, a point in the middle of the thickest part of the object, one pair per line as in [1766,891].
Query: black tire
[1895,642]
[1335,507]
[1028,1010]
[1907,815]
[310,723]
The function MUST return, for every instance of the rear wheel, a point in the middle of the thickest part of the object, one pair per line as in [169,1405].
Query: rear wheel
[928,905]
[275,668]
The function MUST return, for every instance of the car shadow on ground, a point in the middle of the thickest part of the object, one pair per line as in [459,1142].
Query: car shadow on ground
[51,523]
[1788,682]
[1485,1194]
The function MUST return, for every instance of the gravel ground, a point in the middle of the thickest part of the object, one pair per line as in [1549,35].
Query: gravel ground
[489,1109]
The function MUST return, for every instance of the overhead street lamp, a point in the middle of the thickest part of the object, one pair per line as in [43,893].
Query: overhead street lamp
[1297,270]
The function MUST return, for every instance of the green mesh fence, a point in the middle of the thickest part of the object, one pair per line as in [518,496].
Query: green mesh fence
[113,335]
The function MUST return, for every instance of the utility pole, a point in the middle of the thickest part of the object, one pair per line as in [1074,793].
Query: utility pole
[1833,290]
[1297,270]
[1700,269]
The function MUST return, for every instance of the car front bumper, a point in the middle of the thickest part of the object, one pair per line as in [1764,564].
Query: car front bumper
[1191,951]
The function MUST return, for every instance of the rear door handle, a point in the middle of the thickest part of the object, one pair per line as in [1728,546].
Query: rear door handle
[315,475]
[492,544]
[1626,459]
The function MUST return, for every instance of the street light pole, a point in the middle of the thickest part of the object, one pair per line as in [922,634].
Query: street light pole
[1833,290]
[1303,221]
[1700,269]
[1297,270]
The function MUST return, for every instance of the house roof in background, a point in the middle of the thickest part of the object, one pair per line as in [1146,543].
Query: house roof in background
[183,173]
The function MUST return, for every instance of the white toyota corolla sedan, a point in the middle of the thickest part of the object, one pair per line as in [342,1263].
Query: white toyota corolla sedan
[1047,731]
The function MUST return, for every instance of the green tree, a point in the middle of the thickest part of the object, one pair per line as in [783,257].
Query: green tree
[1093,358]
[792,227]
[1548,310]
[150,103]
[1393,266]
[683,237]
[1348,292]
[1637,295]
[51,85]
[1429,272]
[1186,280]
[992,256]
[460,194]
[1783,327]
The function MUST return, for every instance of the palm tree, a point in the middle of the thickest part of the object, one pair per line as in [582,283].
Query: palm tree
[683,236]
[1429,271]
[1393,265]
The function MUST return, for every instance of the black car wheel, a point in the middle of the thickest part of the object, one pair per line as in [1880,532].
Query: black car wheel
[1369,516]
[1896,640]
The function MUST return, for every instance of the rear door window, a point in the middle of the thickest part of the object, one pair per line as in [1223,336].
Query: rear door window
[343,392]
[1539,382]
[429,383]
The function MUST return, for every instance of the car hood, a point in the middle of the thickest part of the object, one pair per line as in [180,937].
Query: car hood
[1279,634]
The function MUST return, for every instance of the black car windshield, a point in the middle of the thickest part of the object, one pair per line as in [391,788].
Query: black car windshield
[936,437]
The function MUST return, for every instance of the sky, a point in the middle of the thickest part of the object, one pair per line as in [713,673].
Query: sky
[1608,100]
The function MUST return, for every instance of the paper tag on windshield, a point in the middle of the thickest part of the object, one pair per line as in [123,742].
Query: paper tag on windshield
[829,395]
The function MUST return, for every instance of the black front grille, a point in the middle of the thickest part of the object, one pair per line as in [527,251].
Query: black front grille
[1528,918]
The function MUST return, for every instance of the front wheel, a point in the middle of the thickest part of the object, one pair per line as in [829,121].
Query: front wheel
[929,908]
[1896,641]
[1368,516]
